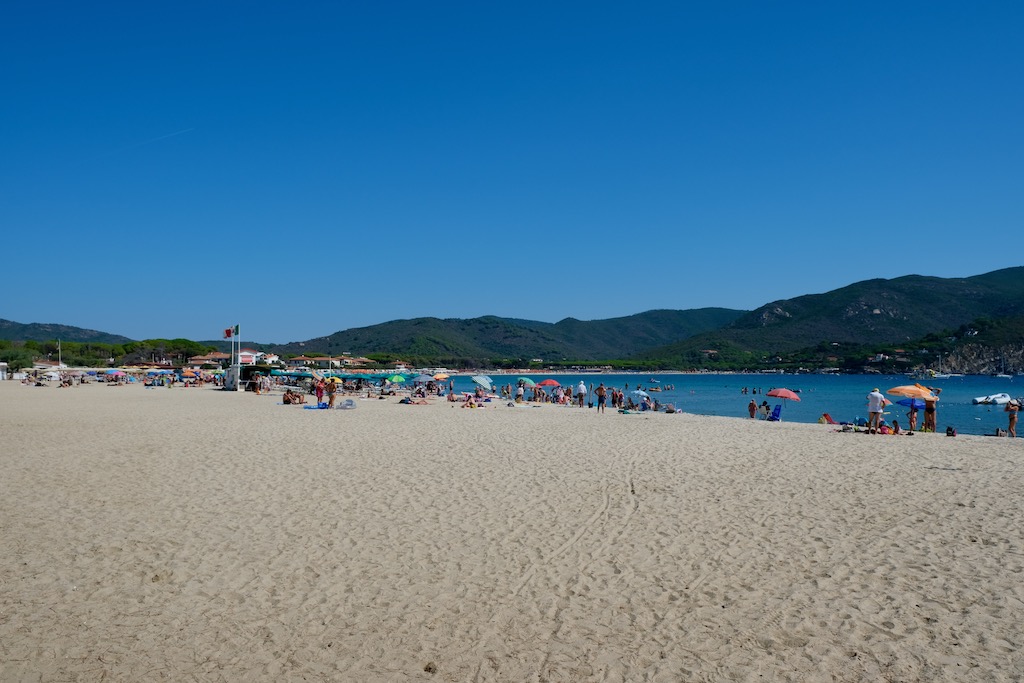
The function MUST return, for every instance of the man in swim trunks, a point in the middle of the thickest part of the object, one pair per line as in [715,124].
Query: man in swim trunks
[602,393]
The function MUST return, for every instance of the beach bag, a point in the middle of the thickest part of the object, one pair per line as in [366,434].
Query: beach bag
[950,431]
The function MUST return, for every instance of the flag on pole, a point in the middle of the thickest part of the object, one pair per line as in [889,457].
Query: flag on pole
[227,333]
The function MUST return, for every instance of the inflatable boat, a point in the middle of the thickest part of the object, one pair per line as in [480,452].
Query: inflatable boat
[993,400]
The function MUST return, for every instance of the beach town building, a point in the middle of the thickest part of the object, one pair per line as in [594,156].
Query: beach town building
[327,362]
[215,358]
[46,365]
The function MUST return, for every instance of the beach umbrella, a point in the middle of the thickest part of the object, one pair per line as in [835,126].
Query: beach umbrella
[441,375]
[113,371]
[527,381]
[913,391]
[396,379]
[784,393]
[548,383]
[641,393]
[911,403]
[422,378]
[484,381]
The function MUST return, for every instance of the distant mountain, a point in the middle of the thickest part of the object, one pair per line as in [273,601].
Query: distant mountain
[49,332]
[870,312]
[494,337]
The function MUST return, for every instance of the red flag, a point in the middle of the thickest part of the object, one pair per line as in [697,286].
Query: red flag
[227,333]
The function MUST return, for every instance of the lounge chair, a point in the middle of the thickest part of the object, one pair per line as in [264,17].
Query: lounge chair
[776,414]
[828,419]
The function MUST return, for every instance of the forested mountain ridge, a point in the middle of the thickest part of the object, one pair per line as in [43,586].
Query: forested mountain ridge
[494,337]
[870,312]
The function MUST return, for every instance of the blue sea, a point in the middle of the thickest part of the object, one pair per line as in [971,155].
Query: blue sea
[842,396]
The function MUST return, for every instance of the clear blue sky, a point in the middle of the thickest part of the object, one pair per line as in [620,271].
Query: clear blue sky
[169,169]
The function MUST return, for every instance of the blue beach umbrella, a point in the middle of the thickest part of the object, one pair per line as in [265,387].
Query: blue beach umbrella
[911,403]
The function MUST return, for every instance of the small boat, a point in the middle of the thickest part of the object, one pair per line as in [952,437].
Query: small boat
[1003,375]
[992,400]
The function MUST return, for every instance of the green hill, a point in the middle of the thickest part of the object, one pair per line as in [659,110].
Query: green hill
[49,331]
[870,312]
[493,337]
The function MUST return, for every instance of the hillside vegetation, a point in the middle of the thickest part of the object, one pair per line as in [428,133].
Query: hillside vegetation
[973,324]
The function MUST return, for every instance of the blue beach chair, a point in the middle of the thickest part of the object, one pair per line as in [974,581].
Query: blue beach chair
[776,415]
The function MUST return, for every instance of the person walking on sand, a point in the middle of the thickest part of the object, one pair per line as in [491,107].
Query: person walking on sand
[1013,407]
[875,403]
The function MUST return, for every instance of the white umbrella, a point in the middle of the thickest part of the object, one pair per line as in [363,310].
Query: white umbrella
[484,381]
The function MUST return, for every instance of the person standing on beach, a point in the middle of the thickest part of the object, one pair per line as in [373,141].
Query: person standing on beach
[875,403]
[602,395]
[1012,408]
[912,417]
[581,392]
[752,408]
[931,417]
[332,389]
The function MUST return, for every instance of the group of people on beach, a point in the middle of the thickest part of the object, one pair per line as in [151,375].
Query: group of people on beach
[876,406]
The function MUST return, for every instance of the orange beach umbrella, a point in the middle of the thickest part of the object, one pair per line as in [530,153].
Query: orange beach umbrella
[913,391]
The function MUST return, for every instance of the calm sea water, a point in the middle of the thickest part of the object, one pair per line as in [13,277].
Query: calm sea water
[842,396]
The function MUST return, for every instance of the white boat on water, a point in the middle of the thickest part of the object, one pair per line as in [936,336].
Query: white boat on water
[1003,375]
[992,400]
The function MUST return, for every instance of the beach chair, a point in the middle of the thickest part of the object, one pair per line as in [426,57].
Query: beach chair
[828,419]
[776,415]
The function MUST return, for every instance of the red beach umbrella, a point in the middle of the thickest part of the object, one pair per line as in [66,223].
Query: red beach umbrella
[784,393]
[548,383]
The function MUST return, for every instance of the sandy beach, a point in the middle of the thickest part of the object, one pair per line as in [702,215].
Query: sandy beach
[192,534]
